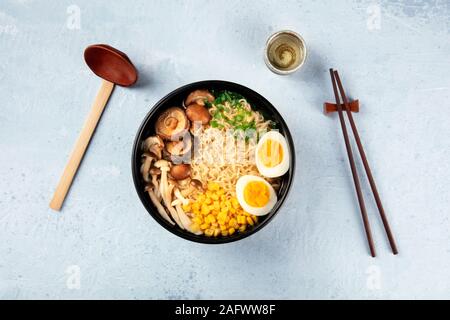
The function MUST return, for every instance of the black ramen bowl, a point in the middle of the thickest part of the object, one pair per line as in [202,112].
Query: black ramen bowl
[175,98]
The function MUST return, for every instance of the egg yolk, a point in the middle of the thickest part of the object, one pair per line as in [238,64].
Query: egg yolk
[270,153]
[256,194]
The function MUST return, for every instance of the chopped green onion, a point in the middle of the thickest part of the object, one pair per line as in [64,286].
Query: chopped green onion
[238,118]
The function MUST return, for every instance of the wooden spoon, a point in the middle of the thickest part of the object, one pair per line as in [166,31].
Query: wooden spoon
[114,67]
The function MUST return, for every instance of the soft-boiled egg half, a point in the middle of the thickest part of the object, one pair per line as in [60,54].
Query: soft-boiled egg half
[272,155]
[255,195]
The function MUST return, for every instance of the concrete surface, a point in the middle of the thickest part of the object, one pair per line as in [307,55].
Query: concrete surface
[392,55]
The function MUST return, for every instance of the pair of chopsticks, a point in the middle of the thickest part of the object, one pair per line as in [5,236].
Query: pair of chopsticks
[336,81]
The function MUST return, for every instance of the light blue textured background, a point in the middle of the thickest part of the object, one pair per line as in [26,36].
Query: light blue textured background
[315,247]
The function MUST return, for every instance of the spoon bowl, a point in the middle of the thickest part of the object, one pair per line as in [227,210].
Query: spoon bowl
[110,64]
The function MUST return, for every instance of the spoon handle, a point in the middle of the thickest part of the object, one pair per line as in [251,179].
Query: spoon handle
[81,145]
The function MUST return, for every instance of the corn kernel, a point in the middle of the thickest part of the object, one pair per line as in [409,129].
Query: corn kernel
[255,218]
[224,233]
[216,232]
[209,232]
[212,219]
[205,210]
[231,231]
[242,228]
[241,219]
[195,206]
[187,207]
[222,215]
[198,220]
[215,197]
[204,226]
[250,221]
[213,186]
[235,203]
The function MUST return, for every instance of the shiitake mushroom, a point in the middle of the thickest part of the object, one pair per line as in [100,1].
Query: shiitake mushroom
[198,113]
[179,148]
[180,171]
[199,97]
[172,123]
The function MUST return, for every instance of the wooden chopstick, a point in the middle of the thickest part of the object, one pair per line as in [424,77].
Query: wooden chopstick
[366,166]
[353,168]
